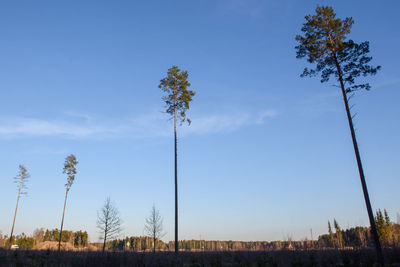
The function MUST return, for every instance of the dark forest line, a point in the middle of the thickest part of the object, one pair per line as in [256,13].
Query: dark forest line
[337,238]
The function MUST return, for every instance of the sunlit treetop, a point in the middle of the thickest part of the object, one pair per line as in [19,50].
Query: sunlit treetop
[21,179]
[176,85]
[325,43]
[70,169]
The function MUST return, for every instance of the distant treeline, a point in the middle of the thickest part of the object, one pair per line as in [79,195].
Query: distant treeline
[360,237]
[355,237]
[78,239]
[144,243]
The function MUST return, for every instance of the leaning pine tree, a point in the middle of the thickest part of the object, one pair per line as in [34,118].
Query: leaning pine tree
[177,100]
[325,43]
[20,179]
[70,170]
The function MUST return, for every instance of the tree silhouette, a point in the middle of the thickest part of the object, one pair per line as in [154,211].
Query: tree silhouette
[108,221]
[69,169]
[154,226]
[338,233]
[330,234]
[324,43]
[177,100]
[20,179]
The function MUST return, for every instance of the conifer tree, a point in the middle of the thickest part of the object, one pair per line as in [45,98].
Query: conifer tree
[177,100]
[330,234]
[20,179]
[383,226]
[339,236]
[325,44]
[387,219]
[69,169]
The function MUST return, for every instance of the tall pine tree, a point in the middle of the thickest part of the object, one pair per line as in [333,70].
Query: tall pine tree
[177,100]
[324,43]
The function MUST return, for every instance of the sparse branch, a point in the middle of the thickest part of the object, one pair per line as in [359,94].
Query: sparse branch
[108,222]
[154,226]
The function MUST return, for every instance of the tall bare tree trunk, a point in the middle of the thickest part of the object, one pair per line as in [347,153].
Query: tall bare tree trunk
[62,221]
[360,168]
[176,180]
[15,215]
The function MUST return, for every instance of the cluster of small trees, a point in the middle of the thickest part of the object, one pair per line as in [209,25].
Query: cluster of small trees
[137,243]
[108,219]
[109,224]
[22,241]
[389,232]
[78,239]
[361,237]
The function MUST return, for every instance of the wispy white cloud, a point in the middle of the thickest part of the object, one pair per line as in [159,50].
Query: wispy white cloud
[148,125]
[40,127]
[227,123]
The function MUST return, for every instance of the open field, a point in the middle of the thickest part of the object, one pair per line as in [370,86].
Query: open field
[325,258]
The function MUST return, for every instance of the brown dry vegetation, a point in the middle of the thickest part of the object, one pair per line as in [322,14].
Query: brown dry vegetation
[53,245]
[323,258]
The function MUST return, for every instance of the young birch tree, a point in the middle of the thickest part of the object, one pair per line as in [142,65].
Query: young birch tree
[108,222]
[325,43]
[21,180]
[177,100]
[69,169]
[154,226]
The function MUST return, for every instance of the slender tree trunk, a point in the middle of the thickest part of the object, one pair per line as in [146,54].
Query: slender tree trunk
[15,215]
[176,180]
[360,168]
[62,221]
[154,243]
[105,240]
[106,230]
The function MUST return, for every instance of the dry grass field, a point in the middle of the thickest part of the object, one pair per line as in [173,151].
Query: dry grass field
[323,258]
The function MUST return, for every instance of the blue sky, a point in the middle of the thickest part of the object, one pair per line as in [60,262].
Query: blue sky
[268,154]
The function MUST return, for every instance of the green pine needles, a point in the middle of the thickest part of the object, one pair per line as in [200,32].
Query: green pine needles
[70,169]
[176,85]
[325,43]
